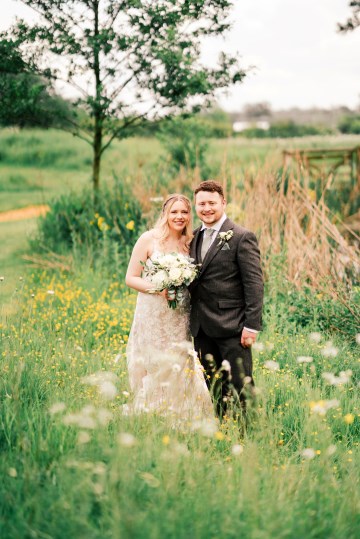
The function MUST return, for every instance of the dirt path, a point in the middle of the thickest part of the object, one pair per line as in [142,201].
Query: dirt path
[29,212]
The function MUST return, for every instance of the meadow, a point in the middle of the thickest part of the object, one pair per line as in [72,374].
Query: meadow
[74,466]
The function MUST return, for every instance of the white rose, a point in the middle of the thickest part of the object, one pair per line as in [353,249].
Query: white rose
[166,260]
[160,278]
[187,273]
[174,274]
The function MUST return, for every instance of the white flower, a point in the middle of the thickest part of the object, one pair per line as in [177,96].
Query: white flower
[322,406]
[2,278]
[237,449]
[160,279]
[12,472]
[272,365]
[206,427]
[224,237]
[343,378]
[50,292]
[329,350]
[226,365]
[126,394]
[174,274]
[104,416]
[258,346]
[331,450]
[308,453]
[304,359]
[78,348]
[108,390]
[83,437]
[315,336]
[57,407]
[99,377]
[126,439]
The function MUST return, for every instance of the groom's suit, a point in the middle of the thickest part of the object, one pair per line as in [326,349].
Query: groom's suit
[226,297]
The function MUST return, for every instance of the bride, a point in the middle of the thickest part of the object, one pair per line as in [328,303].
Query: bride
[164,371]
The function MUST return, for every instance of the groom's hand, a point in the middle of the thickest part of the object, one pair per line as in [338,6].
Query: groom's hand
[247,338]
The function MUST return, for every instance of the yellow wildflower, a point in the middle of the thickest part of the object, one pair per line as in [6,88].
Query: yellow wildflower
[130,225]
[349,419]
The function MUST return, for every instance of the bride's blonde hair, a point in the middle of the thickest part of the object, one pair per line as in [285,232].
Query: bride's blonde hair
[161,227]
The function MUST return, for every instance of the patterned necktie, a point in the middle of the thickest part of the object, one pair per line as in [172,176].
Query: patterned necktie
[208,233]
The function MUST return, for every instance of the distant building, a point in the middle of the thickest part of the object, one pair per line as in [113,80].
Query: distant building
[242,125]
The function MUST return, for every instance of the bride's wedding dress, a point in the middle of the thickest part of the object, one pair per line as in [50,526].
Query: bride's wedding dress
[164,371]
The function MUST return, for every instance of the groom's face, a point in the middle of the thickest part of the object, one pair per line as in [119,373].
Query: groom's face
[209,206]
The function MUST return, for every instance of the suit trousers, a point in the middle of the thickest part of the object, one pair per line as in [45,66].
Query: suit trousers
[227,385]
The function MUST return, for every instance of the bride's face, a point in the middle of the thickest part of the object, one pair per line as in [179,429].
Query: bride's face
[179,216]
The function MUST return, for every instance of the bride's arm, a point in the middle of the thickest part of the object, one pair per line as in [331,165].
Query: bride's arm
[141,252]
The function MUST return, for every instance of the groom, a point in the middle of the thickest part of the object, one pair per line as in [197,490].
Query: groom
[226,299]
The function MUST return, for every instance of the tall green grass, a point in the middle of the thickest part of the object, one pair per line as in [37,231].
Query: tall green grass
[148,476]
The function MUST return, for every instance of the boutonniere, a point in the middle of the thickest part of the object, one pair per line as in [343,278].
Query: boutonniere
[224,237]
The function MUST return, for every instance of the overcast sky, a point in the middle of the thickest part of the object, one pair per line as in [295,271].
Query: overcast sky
[300,58]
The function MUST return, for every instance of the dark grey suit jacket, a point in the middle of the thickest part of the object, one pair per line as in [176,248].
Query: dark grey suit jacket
[228,293]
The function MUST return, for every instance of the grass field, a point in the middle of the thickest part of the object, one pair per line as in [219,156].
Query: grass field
[74,466]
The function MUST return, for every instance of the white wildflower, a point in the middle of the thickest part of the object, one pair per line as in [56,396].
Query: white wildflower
[308,453]
[206,427]
[322,406]
[315,336]
[108,390]
[272,365]
[343,378]
[104,416]
[57,408]
[329,350]
[331,450]
[304,359]
[12,472]
[50,292]
[83,437]
[78,348]
[226,365]
[126,393]
[2,278]
[126,439]
[237,449]
[258,346]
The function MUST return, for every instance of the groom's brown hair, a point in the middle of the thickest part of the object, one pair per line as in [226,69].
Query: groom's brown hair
[211,186]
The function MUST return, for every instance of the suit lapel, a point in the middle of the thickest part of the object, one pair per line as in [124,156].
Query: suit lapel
[215,246]
[194,247]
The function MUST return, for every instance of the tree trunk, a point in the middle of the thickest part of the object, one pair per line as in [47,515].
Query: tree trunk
[96,156]
[98,119]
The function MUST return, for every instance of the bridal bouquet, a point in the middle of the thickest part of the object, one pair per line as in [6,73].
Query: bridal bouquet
[172,271]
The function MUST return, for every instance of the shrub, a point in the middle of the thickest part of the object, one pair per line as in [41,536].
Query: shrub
[350,124]
[104,232]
